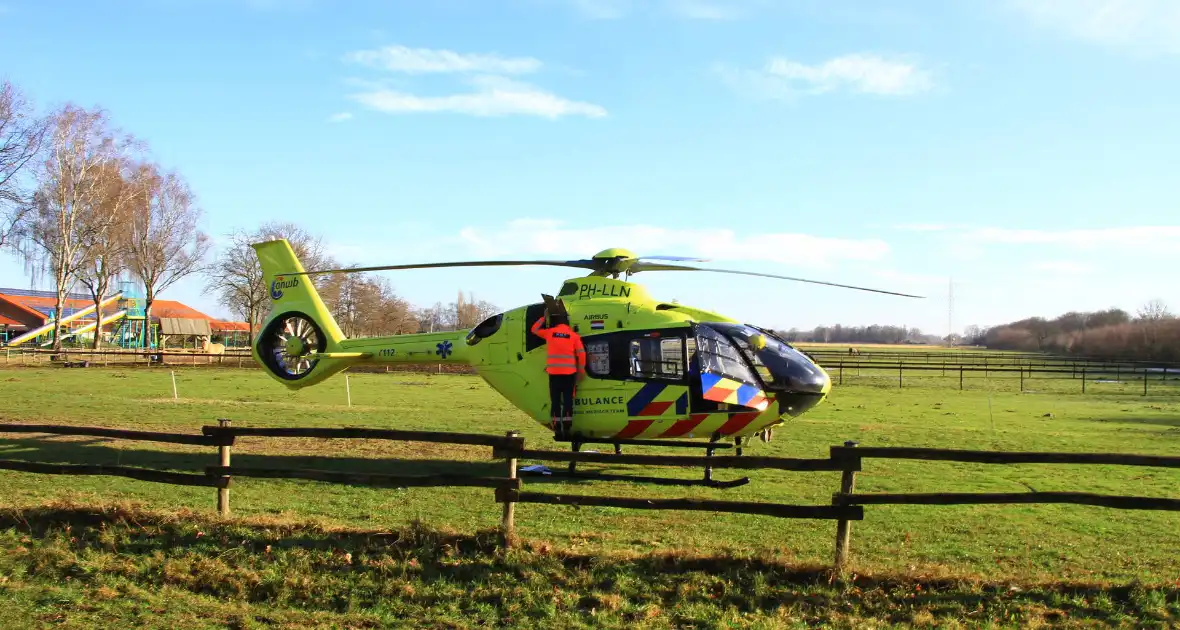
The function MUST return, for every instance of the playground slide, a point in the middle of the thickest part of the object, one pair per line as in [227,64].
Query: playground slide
[36,332]
[89,327]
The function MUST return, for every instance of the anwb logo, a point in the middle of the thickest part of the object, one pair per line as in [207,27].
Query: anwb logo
[279,283]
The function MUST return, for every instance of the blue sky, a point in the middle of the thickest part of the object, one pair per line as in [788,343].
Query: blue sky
[1025,148]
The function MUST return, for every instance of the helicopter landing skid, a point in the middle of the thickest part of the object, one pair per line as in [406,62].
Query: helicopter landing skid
[577,441]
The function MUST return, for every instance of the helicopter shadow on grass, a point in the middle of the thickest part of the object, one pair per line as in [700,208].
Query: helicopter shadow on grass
[98,451]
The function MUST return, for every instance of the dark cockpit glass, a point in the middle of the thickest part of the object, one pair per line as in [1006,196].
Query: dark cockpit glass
[781,367]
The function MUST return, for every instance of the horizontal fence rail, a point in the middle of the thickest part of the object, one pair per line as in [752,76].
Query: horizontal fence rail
[718,461]
[366,479]
[444,437]
[849,454]
[122,434]
[848,512]
[142,474]
[846,505]
[984,498]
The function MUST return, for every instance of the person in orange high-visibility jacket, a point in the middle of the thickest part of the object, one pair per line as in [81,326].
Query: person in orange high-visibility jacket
[566,366]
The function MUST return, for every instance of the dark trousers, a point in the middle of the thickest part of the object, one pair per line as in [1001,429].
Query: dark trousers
[561,400]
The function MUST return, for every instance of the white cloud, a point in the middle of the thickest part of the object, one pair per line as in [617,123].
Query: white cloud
[553,238]
[493,96]
[428,61]
[782,78]
[858,72]
[1150,25]
[340,117]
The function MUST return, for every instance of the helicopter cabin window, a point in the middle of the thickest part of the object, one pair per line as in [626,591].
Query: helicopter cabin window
[598,357]
[657,357]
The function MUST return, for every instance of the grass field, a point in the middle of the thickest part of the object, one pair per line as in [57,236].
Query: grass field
[87,551]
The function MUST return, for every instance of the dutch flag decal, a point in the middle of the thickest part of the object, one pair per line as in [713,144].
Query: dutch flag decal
[597,324]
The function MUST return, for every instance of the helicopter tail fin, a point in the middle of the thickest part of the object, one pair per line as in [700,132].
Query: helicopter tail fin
[297,340]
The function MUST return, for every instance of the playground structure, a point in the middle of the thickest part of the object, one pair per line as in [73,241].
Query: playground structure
[80,324]
[27,319]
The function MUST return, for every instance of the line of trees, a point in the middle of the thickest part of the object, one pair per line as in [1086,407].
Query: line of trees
[861,334]
[83,203]
[1151,334]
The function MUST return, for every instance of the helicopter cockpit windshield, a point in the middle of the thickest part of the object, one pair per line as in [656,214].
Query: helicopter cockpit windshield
[755,357]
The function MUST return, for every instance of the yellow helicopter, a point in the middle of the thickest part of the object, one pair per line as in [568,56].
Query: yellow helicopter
[655,370]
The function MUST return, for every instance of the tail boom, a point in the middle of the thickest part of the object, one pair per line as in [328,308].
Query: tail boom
[300,344]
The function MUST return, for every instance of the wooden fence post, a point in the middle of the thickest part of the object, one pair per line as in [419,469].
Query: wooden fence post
[899,374]
[1144,381]
[841,372]
[223,493]
[1083,380]
[1022,378]
[843,526]
[508,522]
[960,377]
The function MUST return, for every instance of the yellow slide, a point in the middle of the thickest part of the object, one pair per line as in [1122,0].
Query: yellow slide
[36,332]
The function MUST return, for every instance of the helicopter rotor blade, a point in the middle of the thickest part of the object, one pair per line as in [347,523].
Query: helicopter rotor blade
[583,264]
[640,266]
[674,258]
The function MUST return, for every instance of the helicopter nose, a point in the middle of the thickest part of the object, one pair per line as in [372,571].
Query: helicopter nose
[798,401]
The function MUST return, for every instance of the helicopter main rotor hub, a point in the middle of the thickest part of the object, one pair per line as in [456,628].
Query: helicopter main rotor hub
[614,261]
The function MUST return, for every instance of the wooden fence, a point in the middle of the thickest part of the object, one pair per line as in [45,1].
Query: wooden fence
[1086,375]
[846,505]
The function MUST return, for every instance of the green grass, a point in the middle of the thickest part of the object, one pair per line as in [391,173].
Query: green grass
[77,567]
[1072,562]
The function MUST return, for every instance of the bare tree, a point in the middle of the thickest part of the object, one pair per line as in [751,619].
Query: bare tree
[1154,311]
[165,243]
[370,307]
[106,255]
[65,219]
[236,274]
[21,138]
